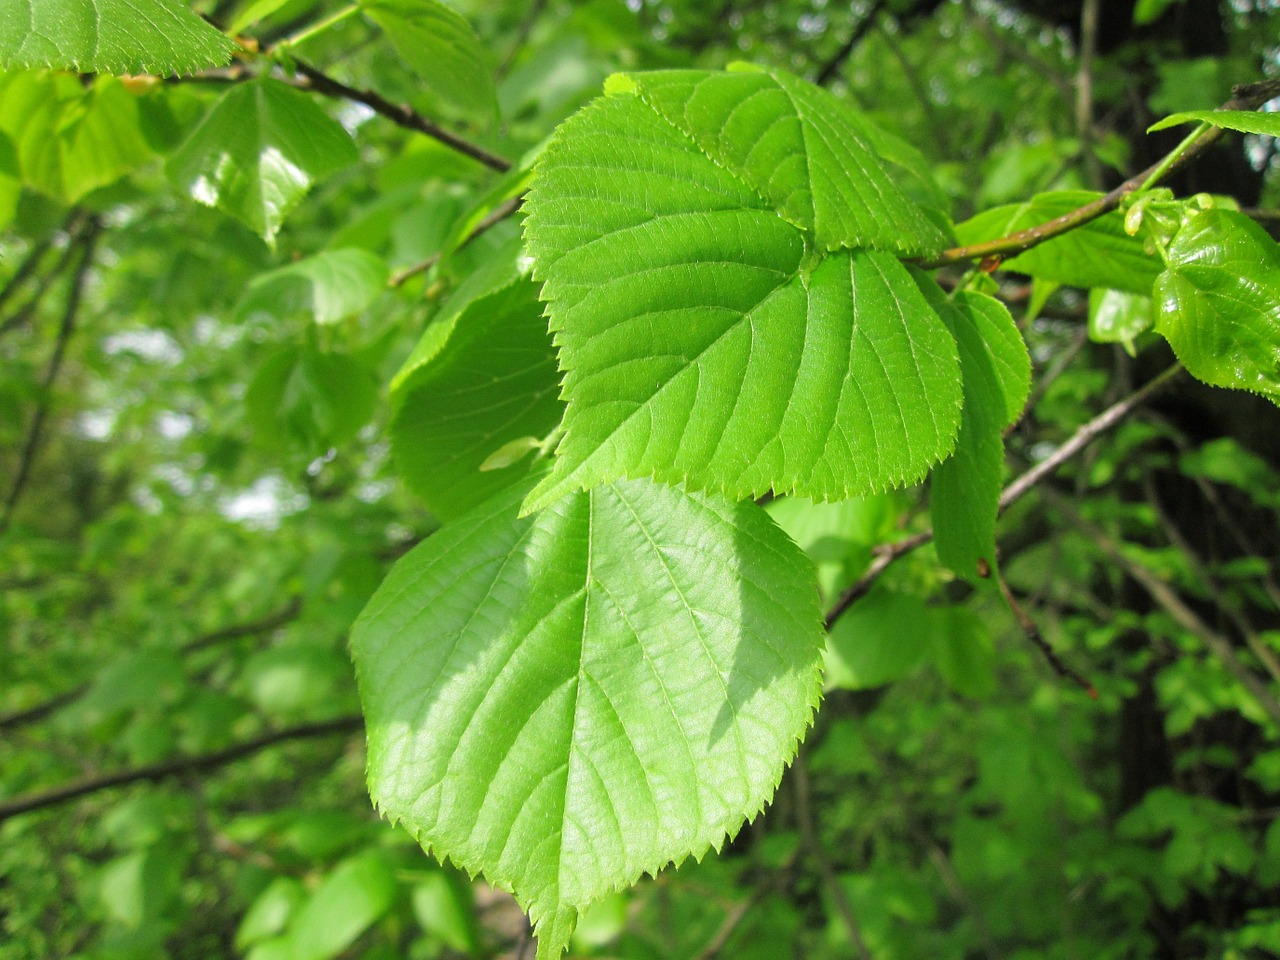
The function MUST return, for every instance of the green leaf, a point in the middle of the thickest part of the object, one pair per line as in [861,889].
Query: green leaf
[1118,317]
[572,699]
[330,286]
[795,145]
[258,151]
[491,381]
[352,897]
[881,638]
[109,36]
[439,46]
[1148,11]
[310,398]
[1218,303]
[1098,254]
[964,652]
[71,139]
[700,343]
[964,492]
[1245,121]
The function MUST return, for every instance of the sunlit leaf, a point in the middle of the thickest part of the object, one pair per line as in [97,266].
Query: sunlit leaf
[1245,121]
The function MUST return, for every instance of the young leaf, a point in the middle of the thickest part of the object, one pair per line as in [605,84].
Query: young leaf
[699,342]
[109,36]
[572,699]
[329,286]
[1098,254]
[492,380]
[964,493]
[258,151]
[1218,302]
[1245,121]
[441,48]
[1118,317]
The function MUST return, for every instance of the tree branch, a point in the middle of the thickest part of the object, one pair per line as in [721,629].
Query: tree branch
[401,115]
[174,767]
[1089,432]
[495,216]
[828,71]
[65,329]
[1246,97]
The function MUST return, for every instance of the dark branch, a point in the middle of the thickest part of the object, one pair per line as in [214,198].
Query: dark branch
[399,114]
[837,60]
[178,766]
[1247,97]
[65,329]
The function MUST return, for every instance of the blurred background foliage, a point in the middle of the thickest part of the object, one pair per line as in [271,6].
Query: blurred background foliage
[194,440]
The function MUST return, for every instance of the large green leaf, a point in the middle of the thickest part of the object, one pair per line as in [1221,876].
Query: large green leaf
[1245,121]
[441,48]
[964,492]
[109,36]
[702,338]
[258,151]
[1098,254]
[1218,303]
[70,139]
[572,699]
[490,380]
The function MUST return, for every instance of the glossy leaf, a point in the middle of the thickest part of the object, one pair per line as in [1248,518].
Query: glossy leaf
[440,47]
[1098,254]
[492,381]
[569,700]
[258,151]
[330,286]
[1218,303]
[964,492]
[700,343]
[1245,121]
[109,36]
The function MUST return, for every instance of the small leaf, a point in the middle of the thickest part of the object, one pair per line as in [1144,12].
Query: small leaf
[310,398]
[1218,303]
[572,699]
[440,47]
[1118,317]
[964,492]
[352,897]
[1245,121]
[258,151]
[491,383]
[1098,254]
[330,286]
[109,36]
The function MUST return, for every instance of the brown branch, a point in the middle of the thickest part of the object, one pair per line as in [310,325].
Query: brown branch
[1089,15]
[177,766]
[833,65]
[1246,97]
[496,215]
[237,631]
[1032,631]
[24,313]
[34,433]
[1165,597]
[1089,432]
[400,115]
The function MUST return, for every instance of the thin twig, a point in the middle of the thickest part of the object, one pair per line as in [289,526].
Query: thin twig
[738,912]
[1247,97]
[496,215]
[237,631]
[25,269]
[1172,604]
[828,71]
[65,329]
[24,313]
[1089,15]
[522,36]
[1089,432]
[1032,631]
[175,767]
[400,115]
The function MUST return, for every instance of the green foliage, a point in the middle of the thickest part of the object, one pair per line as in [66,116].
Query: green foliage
[611,403]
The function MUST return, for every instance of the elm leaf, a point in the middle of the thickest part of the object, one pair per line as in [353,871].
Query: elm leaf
[569,700]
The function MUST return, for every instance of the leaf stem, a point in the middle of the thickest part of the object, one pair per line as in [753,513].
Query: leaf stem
[1160,169]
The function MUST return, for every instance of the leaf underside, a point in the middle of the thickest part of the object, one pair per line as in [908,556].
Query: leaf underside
[572,699]
[109,36]
[705,336]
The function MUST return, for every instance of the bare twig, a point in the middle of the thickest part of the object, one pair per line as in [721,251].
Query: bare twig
[1032,631]
[1014,491]
[400,115]
[175,767]
[1247,97]
[34,433]
[1089,15]
[827,72]
[1166,598]
[495,216]
[522,36]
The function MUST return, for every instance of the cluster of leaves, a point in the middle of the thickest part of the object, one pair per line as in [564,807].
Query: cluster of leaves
[664,398]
